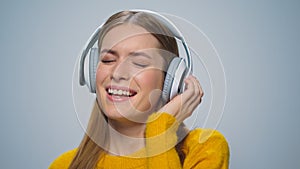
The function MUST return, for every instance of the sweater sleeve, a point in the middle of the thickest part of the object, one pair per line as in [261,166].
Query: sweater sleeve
[206,149]
[161,139]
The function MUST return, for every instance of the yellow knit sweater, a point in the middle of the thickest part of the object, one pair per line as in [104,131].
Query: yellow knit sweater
[203,149]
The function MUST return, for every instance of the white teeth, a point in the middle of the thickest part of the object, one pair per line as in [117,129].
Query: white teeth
[119,92]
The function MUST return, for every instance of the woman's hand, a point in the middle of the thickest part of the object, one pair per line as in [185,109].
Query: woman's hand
[183,105]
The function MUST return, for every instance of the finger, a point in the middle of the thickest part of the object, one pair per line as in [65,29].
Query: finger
[199,87]
[188,92]
[194,86]
[195,100]
[190,96]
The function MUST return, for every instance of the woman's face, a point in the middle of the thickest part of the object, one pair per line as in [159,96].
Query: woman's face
[130,74]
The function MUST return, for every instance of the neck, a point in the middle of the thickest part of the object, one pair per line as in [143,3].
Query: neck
[126,138]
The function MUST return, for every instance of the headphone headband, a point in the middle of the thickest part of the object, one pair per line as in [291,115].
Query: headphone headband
[94,37]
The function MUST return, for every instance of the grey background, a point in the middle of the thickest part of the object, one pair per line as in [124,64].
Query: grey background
[258,43]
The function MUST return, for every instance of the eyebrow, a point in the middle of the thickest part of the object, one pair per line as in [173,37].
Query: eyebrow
[109,51]
[130,54]
[140,54]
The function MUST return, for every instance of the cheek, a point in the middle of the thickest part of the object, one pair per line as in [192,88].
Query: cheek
[149,80]
[101,74]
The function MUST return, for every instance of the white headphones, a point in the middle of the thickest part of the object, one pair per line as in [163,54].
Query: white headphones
[178,69]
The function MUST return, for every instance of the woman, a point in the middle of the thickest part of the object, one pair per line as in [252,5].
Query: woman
[131,126]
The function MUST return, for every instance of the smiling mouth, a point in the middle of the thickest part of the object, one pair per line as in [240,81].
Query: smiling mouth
[120,92]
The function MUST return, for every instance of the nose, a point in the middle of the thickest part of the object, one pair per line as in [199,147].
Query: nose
[121,71]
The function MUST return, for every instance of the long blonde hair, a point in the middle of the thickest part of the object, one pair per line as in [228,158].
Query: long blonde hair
[89,152]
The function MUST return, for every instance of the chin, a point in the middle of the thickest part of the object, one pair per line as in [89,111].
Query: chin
[129,115]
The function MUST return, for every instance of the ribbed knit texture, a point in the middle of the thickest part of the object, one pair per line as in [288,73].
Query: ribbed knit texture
[204,149]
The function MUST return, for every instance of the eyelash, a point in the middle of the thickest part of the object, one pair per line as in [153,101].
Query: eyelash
[107,61]
[140,65]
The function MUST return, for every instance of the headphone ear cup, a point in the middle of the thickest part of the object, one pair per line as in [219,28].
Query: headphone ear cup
[93,63]
[174,79]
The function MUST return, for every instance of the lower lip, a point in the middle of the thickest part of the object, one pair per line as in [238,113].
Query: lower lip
[113,98]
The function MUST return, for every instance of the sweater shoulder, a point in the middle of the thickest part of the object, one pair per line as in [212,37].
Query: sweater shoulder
[206,148]
[205,140]
[202,136]
[64,160]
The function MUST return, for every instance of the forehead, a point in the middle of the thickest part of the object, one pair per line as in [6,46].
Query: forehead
[131,36]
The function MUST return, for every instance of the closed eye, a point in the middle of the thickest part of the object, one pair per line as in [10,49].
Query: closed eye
[140,59]
[107,61]
[107,56]
[141,65]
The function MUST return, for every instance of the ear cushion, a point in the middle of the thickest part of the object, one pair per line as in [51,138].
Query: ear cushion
[94,59]
[174,79]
